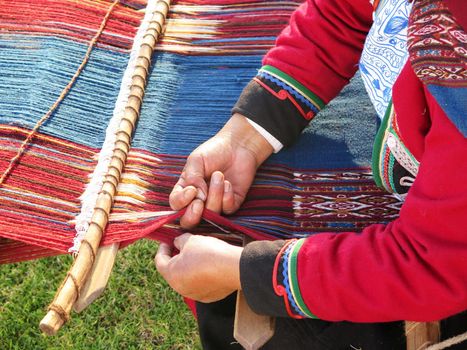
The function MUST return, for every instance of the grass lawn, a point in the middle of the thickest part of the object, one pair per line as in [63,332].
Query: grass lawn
[137,311]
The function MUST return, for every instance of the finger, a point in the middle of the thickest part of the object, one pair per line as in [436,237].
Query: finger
[192,216]
[181,196]
[215,192]
[195,175]
[162,258]
[228,201]
[180,241]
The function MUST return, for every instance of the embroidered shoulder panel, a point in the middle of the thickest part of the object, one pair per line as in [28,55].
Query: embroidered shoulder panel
[437,47]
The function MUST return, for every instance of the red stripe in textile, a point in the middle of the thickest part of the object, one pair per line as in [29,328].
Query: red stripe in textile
[77,20]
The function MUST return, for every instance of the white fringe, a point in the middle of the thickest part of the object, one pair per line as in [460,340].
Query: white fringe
[89,197]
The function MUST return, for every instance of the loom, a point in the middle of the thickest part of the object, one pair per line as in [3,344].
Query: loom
[208,53]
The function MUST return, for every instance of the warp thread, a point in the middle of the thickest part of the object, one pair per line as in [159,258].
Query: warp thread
[60,98]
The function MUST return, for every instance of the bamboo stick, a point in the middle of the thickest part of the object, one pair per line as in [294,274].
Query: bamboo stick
[60,308]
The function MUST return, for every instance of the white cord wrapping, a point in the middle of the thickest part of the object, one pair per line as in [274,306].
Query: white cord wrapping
[448,342]
[89,196]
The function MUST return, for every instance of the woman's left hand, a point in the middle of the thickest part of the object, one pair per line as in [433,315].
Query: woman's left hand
[206,269]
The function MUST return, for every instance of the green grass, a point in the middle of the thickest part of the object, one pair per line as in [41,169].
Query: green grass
[137,311]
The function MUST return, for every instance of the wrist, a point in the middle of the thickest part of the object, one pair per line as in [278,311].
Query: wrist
[232,267]
[275,143]
[243,134]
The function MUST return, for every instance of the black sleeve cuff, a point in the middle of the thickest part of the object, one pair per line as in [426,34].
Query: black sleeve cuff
[275,109]
[256,270]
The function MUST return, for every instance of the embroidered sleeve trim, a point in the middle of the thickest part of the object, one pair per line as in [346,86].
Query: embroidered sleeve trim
[393,164]
[285,269]
[378,148]
[293,86]
[283,95]
[286,281]
[283,290]
[279,104]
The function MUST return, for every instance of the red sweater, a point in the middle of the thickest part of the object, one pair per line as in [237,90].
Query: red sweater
[413,268]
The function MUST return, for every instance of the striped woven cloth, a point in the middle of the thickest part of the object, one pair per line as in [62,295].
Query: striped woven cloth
[209,52]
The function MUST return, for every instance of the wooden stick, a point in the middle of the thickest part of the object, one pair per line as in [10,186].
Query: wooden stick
[98,277]
[420,335]
[60,308]
[250,329]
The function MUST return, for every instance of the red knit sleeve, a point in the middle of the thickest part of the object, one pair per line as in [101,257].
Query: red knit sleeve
[413,268]
[322,45]
[313,59]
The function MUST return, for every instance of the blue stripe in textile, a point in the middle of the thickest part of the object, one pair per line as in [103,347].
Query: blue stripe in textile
[192,95]
[35,69]
[33,218]
[340,136]
[189,98]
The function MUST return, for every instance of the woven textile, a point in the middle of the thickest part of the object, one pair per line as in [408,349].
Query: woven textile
[209,53]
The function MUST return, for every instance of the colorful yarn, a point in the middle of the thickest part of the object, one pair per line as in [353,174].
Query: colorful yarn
[209,53]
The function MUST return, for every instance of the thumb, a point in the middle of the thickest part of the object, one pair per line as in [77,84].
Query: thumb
[180,241]
[162,258]
[194,174]
[190,185]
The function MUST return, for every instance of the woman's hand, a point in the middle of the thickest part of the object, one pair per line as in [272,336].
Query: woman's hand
[206,269]
[228,162]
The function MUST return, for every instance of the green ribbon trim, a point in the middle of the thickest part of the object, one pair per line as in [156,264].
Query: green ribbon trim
[378,146]
[295,288]
[304,91]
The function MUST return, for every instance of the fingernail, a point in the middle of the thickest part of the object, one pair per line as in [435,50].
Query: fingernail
[217,178]
[198,208]
[227,186]
[189,193]
[201,195]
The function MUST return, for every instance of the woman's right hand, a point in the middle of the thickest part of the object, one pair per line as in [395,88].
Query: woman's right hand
[218,174]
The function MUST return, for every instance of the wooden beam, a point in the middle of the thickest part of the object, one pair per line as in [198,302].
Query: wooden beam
[250,329]
[420,335]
